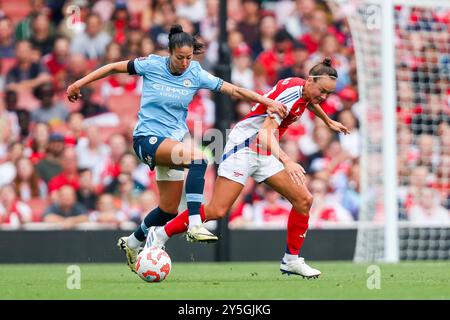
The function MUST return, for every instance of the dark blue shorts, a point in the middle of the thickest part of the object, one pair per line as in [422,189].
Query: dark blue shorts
[145,148]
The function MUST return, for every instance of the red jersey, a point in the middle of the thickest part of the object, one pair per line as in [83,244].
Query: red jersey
[287,91]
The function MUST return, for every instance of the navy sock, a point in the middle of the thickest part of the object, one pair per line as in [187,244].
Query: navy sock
[156,217]
[195,183]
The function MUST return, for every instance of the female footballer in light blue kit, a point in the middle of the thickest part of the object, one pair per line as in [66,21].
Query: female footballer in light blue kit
[170,83]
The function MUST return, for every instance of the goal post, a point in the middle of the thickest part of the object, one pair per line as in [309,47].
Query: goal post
[396,43]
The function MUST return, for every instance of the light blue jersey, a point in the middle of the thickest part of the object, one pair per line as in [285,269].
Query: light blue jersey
[165,97]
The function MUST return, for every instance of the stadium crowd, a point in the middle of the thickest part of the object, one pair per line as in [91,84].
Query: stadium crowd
[66,164]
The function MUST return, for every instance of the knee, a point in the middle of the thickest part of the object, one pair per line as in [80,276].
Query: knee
[169,207]
[303,203]
[216,213]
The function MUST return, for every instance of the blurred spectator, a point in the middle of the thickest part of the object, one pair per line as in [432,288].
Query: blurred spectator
[118,147]
[297,23]
[107,211]
[42,38]
[9,126]
[209,26]
[92,153]
[241,72]
[133,44]
[26,74]
[50,165]
[200,113]
[428,117]
[38,142]
[65,209]
[13,212]
[128,194]
[194,10]
[329,47]
[7,44]
[428,209]
[27,182]
[277,58]
[147,47]
[120,22]
[159,32]
[128,165]
[120,83]
[69,174]
[326,207]
[300,56]
[268,29]
[50,110]
[91,43]
[56,62]
[8,172]
[250,21]
[89,107]
[24,29]
[318,28]
[23,115]
[77,68]
[86,194]
[75,127]
[147,202]
[351,143]
[272,210]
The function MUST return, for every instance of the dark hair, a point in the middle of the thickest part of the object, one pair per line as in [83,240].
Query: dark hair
[323,68]
[178,38]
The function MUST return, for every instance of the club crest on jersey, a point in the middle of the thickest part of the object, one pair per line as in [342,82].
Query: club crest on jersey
[187,83]
[153,140]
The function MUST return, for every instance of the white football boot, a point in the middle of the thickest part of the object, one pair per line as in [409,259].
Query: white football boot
[153,240]
[299,267]
[130,253]
[199,233]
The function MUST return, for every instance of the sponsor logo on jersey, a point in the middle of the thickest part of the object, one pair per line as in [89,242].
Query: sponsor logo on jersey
[172,90]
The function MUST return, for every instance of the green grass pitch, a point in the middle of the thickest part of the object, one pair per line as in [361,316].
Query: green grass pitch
[223,281]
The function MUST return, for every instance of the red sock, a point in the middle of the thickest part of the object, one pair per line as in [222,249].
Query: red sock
[296,231]
[180,223]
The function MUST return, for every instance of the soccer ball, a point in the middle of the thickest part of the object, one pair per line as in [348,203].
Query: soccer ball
[153,264]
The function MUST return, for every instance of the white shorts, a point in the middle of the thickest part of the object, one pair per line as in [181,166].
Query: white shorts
[247,163]
[168,174]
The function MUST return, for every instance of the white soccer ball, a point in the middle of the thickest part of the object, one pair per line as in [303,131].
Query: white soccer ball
[153,264]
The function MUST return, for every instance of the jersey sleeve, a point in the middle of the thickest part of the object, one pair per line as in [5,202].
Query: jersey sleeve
[139,65]
[208,81]
[285,94]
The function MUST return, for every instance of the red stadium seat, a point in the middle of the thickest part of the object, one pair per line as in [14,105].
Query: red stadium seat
[17,9]
[126,105]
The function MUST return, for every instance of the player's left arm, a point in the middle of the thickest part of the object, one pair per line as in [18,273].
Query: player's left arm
[248,95]
[333,125]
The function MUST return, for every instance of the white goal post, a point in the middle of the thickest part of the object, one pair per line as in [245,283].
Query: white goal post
[385,45]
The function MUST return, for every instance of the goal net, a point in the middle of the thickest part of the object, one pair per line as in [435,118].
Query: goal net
[402,50]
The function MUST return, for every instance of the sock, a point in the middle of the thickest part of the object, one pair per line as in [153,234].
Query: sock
[195,183]
[181,222]
[161,234]
[132,242]
[156,217]
[296,232]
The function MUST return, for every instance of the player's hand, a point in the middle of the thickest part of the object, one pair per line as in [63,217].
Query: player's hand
[276,107]
[295,172]
[73,92]
[338,127]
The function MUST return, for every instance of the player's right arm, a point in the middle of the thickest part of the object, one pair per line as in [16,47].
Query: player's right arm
[73,91]
[267,138]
